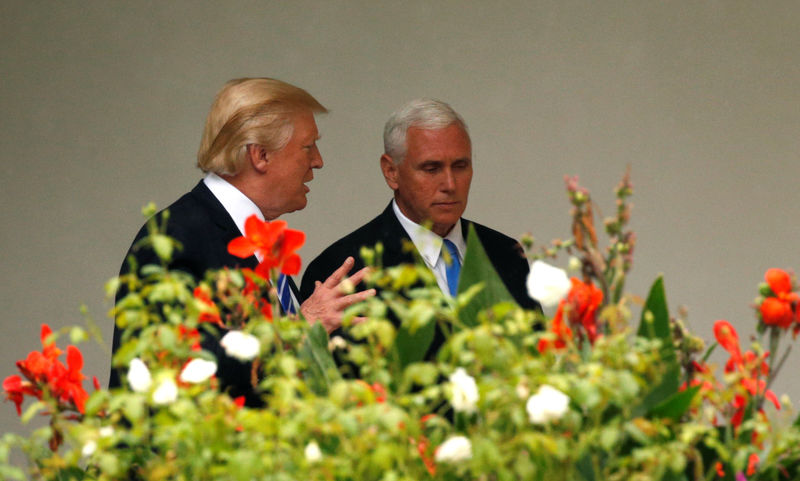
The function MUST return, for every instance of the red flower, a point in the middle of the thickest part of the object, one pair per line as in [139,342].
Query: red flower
[580,308]
[781,309]
[752,368]
[752,462]
[210,312]
[272,242]
[583,300]
[560,333]
[251,291]
[43,371]
[16,389]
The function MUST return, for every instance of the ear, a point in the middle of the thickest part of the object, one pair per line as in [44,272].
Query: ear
[258,157]
[389,170]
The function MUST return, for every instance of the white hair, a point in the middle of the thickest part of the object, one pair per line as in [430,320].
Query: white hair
[424,113]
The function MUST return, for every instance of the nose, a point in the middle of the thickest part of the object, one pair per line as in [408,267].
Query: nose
[316,159]
[448,181]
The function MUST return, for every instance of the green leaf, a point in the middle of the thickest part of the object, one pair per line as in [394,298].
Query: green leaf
[656,324]
[477,268]
[675,406]
[665,389]
[585,468]
[321,369]
[162,245]
[412,347]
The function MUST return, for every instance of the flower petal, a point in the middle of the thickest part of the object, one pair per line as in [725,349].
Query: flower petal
[778,280]
[241,247]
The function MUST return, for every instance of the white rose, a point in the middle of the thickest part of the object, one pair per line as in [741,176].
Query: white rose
[89,448]
[337,342]
[106,432]
[548,404]
[166,392]
[313,453]
[465,391]
[139,376]
[454,450]
[548,285]
[198,370]
[240,345]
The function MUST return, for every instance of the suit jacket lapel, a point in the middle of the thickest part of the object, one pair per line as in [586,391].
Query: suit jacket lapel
[227,229]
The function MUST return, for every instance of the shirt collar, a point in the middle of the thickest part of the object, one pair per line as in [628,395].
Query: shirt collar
[238,205]
[428,243]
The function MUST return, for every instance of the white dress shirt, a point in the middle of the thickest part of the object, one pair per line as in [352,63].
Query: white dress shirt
[238,206]
[429,245]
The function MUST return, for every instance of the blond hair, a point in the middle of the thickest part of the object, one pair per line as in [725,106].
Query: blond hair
[250,111]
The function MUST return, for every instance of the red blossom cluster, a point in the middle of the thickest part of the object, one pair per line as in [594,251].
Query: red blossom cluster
[272,242]
[579,309]
[424,447]
[252,292]
[752,368]
[779,307]
[45,374]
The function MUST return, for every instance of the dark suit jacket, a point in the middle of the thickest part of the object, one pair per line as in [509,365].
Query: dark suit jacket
[504,252]
[204,228]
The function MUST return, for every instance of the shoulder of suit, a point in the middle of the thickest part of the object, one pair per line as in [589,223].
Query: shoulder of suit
[487,233]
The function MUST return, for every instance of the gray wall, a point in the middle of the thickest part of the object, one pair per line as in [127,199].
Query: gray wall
[102,105]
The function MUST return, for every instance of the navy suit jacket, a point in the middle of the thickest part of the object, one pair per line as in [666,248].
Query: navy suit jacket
[204,228]
[504,252]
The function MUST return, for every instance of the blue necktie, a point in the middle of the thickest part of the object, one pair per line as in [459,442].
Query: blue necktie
[285,295]
[453,268]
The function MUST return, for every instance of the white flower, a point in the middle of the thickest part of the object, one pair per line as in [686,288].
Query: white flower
[337,342]
[166,392]
[242,346]
[548,404]
[198,370]
[89,448]
[313,453]
[139,376]
[574,264]
[522,390]
[454,450]
[548,285]
[465,391]
[106,432]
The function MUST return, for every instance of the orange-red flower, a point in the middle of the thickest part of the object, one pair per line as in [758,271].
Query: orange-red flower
[559,334]
[16,389]
[583,301]
[781,309]
[579,308]
[752,368]
[210,312]
[272,242]
[252,292]
[43,371]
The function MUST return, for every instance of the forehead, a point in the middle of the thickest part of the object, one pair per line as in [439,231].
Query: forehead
[449,143]
[305,127]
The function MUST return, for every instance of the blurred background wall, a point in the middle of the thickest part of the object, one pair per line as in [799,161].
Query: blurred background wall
[102,105]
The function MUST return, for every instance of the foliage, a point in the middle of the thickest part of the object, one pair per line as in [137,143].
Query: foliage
[579,393]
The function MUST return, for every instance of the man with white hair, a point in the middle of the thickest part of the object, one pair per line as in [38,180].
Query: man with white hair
[427,162]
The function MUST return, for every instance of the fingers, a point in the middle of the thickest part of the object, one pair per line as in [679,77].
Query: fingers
[349,300]
[359,276]
[339,273]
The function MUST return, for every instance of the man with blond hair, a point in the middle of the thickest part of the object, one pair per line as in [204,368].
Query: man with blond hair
[258,152]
